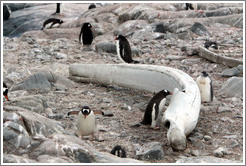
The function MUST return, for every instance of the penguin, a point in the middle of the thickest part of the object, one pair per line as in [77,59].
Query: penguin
[5,91]
[58,8]
[6,12]
[51,22]
[191,6]
[211,44]
[124,51]
[86,121]
[154,107]
[86,34]
[205,86]
[92,6]
[118,151]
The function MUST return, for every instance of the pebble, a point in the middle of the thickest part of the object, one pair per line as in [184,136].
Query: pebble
[207,138]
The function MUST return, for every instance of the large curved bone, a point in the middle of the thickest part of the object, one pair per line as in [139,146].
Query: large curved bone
[182,113]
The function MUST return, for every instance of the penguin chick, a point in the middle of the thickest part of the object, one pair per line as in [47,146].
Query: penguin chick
[205,86]
[154,107]
[5,91]
[51,22]
[86,34]
[124,51]
[118,151]
[86,121]
[211,44]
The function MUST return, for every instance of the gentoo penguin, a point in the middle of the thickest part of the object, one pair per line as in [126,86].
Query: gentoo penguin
[86,121]
[191,6]
[211,44]
[5,91]
[118,151]
[154,107]
[124,51]
[58,7]
[205,86]
[92,6]
[86,34]
[51,22]
[6,12]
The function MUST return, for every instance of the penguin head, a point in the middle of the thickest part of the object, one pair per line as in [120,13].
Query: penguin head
[85,111]
[120,37]
[204,74]
[166,92]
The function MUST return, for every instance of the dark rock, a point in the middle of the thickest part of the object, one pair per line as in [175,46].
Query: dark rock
[230,72]
[42,81]
[36,81]
[150,151]
[6,12]
[160,28]
[199,29]
[233,87]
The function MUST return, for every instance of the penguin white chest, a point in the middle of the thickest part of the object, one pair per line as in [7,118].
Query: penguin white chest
[205,88]
[86,126]
[118,51]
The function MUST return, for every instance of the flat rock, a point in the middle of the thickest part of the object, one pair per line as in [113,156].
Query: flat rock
[11,158]
[204,159]
[230,72]
[199,29]
[150,151]
[233,87]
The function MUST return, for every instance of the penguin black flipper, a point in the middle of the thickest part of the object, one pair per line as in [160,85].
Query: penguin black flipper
[211,91]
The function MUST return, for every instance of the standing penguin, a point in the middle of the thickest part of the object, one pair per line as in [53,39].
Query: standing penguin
[58,8]
[118,151]
[154,107]
[205,86]
[124,51]
[86,34]
[5,91]
[86,121]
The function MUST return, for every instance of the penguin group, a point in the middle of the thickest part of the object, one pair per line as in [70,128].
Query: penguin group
[86,120]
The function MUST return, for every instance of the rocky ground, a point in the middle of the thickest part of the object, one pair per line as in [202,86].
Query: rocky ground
[160,34]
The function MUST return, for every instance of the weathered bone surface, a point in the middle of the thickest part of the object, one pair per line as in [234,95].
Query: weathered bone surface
[183,111]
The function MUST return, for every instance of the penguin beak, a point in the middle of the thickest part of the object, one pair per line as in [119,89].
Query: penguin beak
[85,116]
[171,93]
[6,97]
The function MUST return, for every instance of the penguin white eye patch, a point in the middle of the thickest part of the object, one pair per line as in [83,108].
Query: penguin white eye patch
[84,110]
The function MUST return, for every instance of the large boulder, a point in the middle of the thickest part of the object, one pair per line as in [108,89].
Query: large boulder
[233,87]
